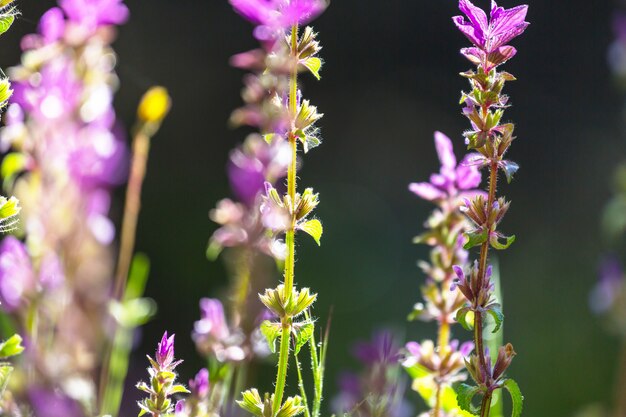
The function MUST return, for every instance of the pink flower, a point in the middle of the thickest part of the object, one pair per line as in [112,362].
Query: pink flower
[274,16]
[452,180]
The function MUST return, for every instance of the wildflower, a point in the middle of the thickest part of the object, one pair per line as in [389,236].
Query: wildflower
[490,37]
[162,380]
[273,16]
[154,105]
[16,273]
[379,389]
[90,14]
[452,180]
[213,337]
[444,365]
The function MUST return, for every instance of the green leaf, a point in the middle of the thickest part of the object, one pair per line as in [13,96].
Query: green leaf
[475,238]
[314,65]
[176,389]
[271,331]
[464,395]
[12,164]
[516,397]
[302,333]
[5,373]
[311,142]
[133,313]
[11,347]
[461,317]
[138,276]
[314,228]
[498,317]
[5,22]
[494,240]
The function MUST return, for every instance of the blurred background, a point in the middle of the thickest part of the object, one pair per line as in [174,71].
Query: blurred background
[390,80]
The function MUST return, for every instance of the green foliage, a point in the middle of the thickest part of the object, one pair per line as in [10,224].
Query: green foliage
[6,20]
[461,318]
[496,312]
[475,238]
[271,331]
[314,65]
[302,333]
[516,397]
[314,228]
[12,164]
[465,394]
[495,242]
[11,347]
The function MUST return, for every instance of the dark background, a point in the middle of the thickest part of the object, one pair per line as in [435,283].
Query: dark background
[390,80]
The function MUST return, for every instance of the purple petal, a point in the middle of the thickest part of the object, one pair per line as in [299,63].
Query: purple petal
[52,25]
[474,36]
[476,15]
[426,191]
[459,272]
[443,144]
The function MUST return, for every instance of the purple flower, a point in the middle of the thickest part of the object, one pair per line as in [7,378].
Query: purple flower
[52,25]
[51,403]
[212,319]
[94,13]
[609,286]
[255,162]
[490,37]
[444,365]
[199,386]
[213,336]
[452,181]
[165,351]
[273,16]
[16,273]
[381,349]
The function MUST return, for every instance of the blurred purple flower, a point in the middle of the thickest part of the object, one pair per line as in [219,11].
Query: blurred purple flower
[254,163]
[274,16]
[444,365]
[16,273]
[380,350]
[609,286]
[94,13]
[452,181]
[52,25]
[51,274]
[213,336]
[199,386]
[49,403]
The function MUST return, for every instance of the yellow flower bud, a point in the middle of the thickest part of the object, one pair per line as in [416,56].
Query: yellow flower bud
[154,105]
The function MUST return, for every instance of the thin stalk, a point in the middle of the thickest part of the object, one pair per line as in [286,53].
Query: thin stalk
[482,271]
[141,148]
[305,400]
[437,400]
[283,359]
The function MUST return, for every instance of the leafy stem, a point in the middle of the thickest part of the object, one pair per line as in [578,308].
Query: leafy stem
[283,358]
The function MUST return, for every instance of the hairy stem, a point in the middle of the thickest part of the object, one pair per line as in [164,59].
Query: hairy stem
[482,272]
[283,359]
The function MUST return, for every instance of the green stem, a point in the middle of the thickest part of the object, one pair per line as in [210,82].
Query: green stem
[305,400]
[283,359]
[486,405]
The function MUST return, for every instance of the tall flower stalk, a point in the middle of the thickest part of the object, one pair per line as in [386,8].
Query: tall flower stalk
[274,104]
[434,366]
[491,139]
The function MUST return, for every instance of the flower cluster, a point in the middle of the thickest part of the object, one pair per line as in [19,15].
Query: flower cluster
[448,189]
[65,155]
[162,384]
[491,139]
[379,389]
